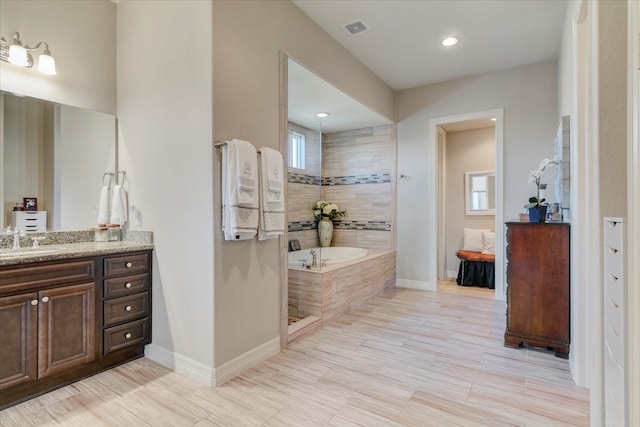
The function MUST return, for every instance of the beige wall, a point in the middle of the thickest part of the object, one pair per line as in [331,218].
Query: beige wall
[612,97]
[82,39]
[528,95]
[466,151]
[248,39]
[165,146]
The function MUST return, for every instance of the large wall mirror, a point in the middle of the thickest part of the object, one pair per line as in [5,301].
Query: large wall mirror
[480,193]
[56,154]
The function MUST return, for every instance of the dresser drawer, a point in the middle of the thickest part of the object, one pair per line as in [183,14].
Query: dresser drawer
[132,333]
[126,285]
[126,264]
[31,277]
[126,308]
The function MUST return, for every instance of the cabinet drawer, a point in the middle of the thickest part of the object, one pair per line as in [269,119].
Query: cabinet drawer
[22,216]
[132,333]
[126,285]
[34,277]
[122,309]
[126,264]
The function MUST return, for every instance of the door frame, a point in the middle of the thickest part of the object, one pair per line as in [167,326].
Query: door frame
[433,196]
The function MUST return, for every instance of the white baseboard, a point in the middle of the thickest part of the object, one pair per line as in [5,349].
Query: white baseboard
[452,274]
[415,284]
[212,376]
[251,358]
[181,364]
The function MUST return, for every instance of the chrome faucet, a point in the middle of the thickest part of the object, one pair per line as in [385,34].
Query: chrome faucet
[17,234]
[314,262]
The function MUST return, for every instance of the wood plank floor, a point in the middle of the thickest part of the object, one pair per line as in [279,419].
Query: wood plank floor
[407,358]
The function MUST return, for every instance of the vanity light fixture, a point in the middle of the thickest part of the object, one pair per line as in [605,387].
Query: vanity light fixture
[17,54]
[493,119]
[322,115]
[450,41]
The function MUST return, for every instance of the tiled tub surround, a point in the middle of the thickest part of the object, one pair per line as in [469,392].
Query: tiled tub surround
[357,174]
[338,289]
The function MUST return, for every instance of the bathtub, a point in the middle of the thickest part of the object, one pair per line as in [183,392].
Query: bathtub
[326,256]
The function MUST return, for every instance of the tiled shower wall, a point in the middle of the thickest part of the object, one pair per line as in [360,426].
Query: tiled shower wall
[303,190]
[358,172]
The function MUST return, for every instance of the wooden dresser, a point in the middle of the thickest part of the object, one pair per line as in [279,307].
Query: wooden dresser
[538,286]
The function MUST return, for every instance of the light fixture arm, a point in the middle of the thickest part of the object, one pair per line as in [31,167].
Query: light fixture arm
[46,47]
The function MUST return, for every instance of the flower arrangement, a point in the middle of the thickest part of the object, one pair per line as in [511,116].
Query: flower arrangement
[534,178]
[326,209]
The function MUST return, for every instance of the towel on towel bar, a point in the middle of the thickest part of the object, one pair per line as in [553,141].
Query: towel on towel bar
[103,206]
[119,206]
[271,224]
[239,190]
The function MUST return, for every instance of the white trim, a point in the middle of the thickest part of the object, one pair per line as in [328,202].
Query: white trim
[208,375]
[181,364]
[632,325]
[417,284]
[432,220]
[452,274]
[247,360]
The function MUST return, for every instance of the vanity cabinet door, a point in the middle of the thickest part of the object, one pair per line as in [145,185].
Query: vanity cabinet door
[18,339]
[66,337]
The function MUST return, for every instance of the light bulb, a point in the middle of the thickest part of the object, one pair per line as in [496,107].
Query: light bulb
[18,55]
[46,64]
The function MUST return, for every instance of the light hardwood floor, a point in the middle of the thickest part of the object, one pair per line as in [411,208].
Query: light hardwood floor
[407,358]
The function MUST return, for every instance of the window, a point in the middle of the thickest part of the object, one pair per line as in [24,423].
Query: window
[296,150]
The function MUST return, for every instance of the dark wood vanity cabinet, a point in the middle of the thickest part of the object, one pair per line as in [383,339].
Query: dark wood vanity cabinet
[63,320]
[538,286]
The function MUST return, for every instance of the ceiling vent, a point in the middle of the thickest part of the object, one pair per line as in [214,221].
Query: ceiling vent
[355,27]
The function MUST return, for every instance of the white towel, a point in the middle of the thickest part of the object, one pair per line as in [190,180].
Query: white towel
[119,205]
[240,201]
[103,207]
[271,194]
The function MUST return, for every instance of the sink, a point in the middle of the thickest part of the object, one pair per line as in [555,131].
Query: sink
[26,252]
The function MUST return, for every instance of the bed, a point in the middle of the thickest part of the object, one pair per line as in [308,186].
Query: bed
[477,259]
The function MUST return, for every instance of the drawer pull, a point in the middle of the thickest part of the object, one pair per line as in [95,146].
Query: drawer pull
[127,308]
[127,335]
[34,302]
[128,265]
[45,299]
[127,285]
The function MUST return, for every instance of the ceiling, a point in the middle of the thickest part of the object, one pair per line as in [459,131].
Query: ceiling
[402,47]
[402,43]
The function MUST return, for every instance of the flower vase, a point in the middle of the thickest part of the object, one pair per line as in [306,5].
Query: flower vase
[325,231]
[538,214]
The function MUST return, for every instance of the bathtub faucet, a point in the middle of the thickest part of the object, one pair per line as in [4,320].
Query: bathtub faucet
[314,262]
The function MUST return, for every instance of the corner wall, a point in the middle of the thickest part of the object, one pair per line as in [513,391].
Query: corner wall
[249,37]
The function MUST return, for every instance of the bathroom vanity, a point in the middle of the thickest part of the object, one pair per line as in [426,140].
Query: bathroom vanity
[71,310]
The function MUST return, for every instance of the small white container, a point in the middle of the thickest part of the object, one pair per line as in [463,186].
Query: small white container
[114,232]
[101,234]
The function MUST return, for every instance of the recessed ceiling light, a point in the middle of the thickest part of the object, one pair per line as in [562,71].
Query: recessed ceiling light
[450,41]
[322,115]
[493,119]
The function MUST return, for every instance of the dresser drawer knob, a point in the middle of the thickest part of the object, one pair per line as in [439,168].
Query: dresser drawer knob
[34,302]
[127,308]
[45,299]
[128,265]
[127,335]
[127,285]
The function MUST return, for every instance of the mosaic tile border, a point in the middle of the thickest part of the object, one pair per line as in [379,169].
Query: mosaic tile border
[303,178]
[342,225]
[374,178]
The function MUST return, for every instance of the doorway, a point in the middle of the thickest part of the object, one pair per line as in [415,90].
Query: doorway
[437,140]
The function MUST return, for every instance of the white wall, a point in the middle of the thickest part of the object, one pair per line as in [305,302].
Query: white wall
[466,151]
[165,135]
[82,38]
[528,95]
